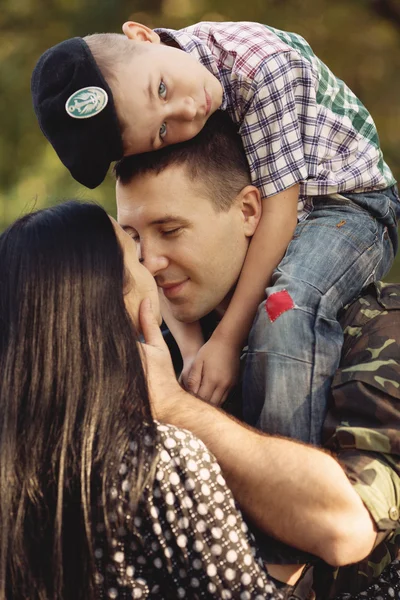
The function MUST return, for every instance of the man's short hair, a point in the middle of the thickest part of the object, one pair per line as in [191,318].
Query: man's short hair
[215,159]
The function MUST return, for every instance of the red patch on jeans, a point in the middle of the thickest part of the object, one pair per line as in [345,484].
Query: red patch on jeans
[278,303]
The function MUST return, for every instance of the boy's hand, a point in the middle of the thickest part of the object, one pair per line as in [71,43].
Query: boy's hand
[184,377]
[213,372]
[164,389]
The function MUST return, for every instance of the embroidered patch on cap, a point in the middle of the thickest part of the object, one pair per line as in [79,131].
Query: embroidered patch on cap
[278,303]
[86,102]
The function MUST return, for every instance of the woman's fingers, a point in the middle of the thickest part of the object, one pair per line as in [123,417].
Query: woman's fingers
[149,325]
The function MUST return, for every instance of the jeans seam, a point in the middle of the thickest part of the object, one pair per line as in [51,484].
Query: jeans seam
[349,235]
[268,353]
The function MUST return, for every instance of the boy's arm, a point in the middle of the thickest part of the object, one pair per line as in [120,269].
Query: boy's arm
[267,247]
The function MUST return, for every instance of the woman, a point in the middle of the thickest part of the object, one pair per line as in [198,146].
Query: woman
[97,500]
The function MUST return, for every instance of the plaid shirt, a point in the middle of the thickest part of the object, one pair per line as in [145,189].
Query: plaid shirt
[298,122]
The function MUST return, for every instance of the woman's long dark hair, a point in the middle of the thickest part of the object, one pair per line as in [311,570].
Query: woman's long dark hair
[72,396]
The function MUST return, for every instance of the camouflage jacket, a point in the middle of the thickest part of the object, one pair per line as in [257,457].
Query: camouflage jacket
[362,426]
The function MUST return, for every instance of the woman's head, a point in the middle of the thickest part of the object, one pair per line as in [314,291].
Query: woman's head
[72,393]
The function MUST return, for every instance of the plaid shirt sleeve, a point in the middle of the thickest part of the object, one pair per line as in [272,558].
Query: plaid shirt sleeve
[279,129]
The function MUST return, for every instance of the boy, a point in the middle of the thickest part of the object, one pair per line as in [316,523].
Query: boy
[313,152]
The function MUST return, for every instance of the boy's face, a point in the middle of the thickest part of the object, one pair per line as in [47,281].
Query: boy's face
[163,96]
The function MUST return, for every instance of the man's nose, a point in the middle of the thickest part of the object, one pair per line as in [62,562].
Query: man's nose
[186,109]
[154,261]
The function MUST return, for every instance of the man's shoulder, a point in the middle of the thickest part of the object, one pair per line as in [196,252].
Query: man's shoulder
[362,414]
[377,300]
[362,425]
[371,348]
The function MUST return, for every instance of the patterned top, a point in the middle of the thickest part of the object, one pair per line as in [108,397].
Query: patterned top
[187,538]
[298,122]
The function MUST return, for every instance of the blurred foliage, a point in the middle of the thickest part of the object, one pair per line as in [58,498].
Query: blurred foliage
[358,39]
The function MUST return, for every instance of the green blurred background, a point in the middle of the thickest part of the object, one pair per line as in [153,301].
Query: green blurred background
[358,39]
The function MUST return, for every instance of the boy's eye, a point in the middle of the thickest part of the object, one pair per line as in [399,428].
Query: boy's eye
[163,130]
[162,89]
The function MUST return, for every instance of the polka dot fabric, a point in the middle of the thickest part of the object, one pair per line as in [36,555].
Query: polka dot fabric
[187,538]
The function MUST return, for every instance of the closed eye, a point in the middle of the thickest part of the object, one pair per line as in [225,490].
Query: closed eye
[172,231]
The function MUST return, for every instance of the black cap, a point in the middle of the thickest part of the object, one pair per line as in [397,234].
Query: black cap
[85,134]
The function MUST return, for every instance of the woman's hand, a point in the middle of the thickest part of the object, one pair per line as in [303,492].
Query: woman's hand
[164,389]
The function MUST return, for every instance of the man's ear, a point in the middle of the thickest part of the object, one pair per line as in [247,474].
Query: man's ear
[250,204]
[140,33]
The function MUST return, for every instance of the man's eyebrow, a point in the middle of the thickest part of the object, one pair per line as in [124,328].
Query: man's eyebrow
[169,219]
[161,221]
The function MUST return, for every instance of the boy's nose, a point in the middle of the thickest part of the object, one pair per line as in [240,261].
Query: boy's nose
[186,109]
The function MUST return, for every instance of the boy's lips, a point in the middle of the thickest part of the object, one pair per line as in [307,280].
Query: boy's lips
[208,102]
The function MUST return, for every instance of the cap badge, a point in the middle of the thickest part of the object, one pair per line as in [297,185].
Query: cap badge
[86,102]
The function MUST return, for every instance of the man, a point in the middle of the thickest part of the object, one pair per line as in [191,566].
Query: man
[192,210]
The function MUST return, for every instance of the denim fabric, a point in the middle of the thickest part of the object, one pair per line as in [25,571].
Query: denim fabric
[290,362]
[384,205]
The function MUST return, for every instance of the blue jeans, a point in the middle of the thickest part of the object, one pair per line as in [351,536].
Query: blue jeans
[295,342]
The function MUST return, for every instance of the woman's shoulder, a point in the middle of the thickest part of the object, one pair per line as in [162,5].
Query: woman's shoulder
[175,439]
[172,457]
[178,450]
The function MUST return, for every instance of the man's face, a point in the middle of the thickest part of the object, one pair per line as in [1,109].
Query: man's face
[194,252]
[163,96]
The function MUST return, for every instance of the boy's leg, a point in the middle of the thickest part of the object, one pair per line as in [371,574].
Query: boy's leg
[295,341]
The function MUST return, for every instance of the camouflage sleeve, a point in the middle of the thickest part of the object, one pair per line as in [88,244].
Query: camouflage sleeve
[363,422]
